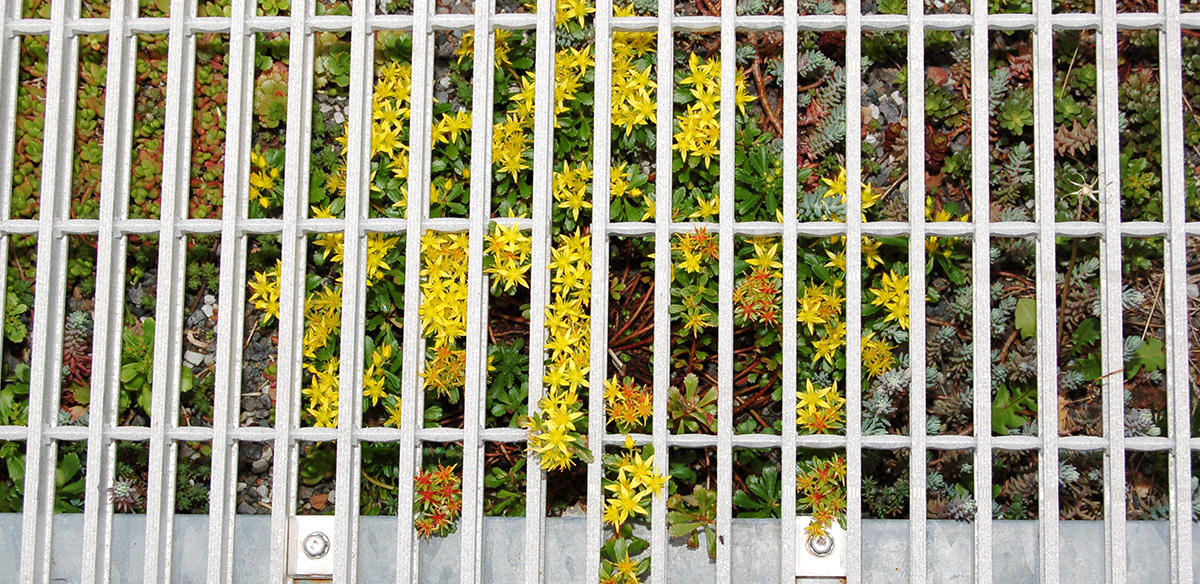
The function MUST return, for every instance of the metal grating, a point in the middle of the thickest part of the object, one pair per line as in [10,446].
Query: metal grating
[163,435]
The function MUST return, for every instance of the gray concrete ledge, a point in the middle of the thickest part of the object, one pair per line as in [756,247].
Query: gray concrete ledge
[755,551]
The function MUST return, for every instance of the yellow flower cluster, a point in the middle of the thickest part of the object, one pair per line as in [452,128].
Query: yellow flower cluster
[819,411]
[876,355]
[571,188]
[819,305]
[322,393]
[264,292]
[699,131]
[322,323]
[932,244]
[892,295]
[508,249]
[696,248]
[570,66]
[633,86]
[445,371]
[378,247]
[629,406]
[444,286]
[264,179]
[452,124]
[637,479]
[322,318]
[618,181]
[837,189]
[565,10]
[444,309]
[373,378]
[509,144]
[390,111]
[553,433]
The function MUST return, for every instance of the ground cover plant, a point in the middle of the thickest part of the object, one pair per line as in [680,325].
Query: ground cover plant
[634,475]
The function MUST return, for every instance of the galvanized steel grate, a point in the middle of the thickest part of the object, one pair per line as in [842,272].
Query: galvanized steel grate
[54,224]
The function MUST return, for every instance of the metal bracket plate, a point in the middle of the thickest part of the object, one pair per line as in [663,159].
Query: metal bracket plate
[311,546]
[823,557]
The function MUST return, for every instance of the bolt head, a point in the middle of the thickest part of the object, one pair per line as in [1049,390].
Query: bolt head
[820,546]
[316,545]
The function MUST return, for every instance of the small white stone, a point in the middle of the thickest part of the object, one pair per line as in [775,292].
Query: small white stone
[192,358]
[207,309]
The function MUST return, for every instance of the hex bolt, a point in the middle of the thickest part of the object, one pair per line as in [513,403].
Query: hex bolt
[820,546]
[316,545]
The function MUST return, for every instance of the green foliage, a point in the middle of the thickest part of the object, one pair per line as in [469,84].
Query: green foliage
[14,396]
[318,462]
[692,409]
[331,63]
[270,97]
[1150,355]
[137,364]
[508,382]
[1026,317]
[623,547]
[273,7]
[68,484]
[689,516]
[762,496]
[507,492]
[1009,411]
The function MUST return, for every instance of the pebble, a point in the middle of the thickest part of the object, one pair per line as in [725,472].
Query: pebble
[260,466]
[1194,291]
[192,358]
[244,508]
[207,309]
[889,111]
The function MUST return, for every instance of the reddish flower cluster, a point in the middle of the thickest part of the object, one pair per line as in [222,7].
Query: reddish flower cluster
[438,501]
[822,488]
[629,406]
[756,298]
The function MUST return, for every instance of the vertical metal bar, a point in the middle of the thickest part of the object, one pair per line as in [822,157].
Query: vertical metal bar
[481,195]
[787,534]
[291,298]
[853,291]
[46,337]
[665,69]
[539,283]
[916,286]
[106,340]
[228,380]
[172,257]
[354,243]
[10,61]
[981,321]
[1047,358]
[418,196]
[601,153]
[727,201]
[1112,327]
[1175,273]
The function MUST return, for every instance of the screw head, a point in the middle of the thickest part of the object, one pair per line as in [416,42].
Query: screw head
[316,545]
[820,546]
